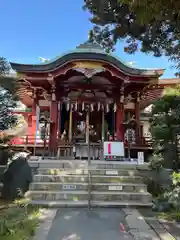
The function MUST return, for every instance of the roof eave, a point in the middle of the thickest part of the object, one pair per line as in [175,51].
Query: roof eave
[88,56]
[167,82]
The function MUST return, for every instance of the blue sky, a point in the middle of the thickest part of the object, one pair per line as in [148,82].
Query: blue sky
[32,29]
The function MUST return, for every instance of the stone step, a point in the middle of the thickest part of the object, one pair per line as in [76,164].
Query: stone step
[83,195]
[57,204]
[80,171]
[73,164]
[84,178]
[56,186]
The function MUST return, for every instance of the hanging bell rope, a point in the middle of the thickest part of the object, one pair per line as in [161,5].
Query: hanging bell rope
[92,107]
[83,106]
[107,107]
[115,107]
[76,106]
[67,106]
[99,106]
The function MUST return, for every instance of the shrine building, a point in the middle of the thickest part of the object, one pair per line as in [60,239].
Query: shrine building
[91,97]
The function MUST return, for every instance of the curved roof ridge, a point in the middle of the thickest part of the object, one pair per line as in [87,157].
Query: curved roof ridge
[86,51]
[91,50]
[78,50]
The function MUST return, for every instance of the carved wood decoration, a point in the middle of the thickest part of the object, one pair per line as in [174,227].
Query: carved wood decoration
[88,65]
[89,72]
[89,69]
[89,86]
[128,99]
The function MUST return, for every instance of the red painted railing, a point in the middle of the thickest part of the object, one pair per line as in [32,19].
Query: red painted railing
[28,140]
[31,140]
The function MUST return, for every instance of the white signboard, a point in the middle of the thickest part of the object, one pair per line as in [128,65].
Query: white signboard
[114,149]
[74,149]
[111,172]
[115,188]
[140,157]
[69,187]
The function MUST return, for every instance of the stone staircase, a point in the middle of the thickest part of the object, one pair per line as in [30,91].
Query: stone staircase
[73,183]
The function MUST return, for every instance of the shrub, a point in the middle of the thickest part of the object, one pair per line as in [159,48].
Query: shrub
[174,194]
[154,187]
[156,161]
[18,222]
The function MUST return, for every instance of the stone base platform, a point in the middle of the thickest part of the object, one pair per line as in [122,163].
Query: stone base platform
[75,183]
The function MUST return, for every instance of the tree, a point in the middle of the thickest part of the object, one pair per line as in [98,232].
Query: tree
[149,26]
[165,128]
[8,101]
[7,81]
[4,67]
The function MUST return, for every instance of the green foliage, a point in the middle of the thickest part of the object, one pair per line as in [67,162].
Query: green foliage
[175,216]
[176,179]
[7,103]
[6,81]
[154,187]
[173,195]
[18,222]
[8,99]
[149,26]
[165,129]
[9,83]
[2,169]
[4,66]
[156,161]
[28,110]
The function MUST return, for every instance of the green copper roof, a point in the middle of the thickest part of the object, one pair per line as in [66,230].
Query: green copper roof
[88,47]
[91,46]
[84,47]
[85,51]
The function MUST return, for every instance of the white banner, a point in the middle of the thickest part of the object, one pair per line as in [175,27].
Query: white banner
[114,149]
[140,157]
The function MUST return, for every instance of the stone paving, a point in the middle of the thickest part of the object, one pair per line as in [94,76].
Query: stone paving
[172,228]
[138,227]
[159,228]
[81,224]
[46,220]
[102,224]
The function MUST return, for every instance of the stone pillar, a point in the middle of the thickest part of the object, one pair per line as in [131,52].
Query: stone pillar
[120,118]
[34,117]
[53,122]
[137,118]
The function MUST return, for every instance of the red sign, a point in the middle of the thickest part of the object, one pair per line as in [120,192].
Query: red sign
[109,148]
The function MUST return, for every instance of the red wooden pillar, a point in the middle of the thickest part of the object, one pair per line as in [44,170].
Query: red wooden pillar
[53,124]
[59,120]
[120,119]
[34,117]
[137,118]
